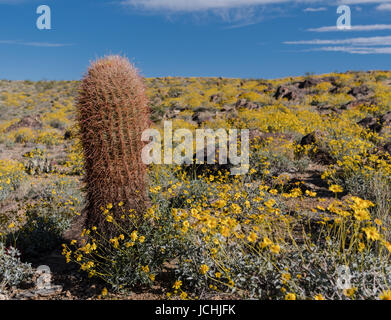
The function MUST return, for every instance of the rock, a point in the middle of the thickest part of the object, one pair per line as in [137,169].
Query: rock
[325,110]
[3,296]
[371,123]
[332,80]
[27,122]
[308,83]
[48,292]
[202,115]
[228,112]
[245,104]
[286,93]
[308,139]
[359,91]
[321,154]
[241,103]
[360,102]
[387,148]
[67,135]
[386,119]
[173,112]
[215,98]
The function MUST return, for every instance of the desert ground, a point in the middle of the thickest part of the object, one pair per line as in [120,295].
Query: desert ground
[310,220]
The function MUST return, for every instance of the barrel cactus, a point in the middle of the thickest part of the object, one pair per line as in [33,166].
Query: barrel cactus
[112,114]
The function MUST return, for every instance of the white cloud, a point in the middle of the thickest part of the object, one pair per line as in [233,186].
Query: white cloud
[363,1]
[363,41]
[315,9]
[362,45]
[203,5]
[373,27]
[384,7]
[35,44]
[356,50]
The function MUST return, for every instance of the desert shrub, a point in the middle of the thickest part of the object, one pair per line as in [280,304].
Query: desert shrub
[47,219]
[132,257]
[12,174]
[12,271]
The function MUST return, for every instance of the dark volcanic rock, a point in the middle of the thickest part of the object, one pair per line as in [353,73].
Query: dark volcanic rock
[364,102]
[321,154]
[286,93]
[371,123]
[201,115]
[27,122]
[216,98]
[308,83]
[359,91]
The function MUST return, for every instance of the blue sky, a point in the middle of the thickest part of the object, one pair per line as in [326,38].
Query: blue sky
[228,38]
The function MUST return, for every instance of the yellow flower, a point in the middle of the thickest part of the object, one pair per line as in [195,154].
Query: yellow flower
[109,219]
[104,292]
[267,242]
[350,292]
[152,277]
[387,245]
[204,269]
[11,225]
[286,277]
[145,269]
[120,204]
[73,242]
[319,297]
[109,206]
[183,295]
[310,193]
[218,275]
[275,248]
[252,237]
[134,236]
[225,232]
[141,239]
[362,215]
[386,295]
[336,188]
[177,285]
[371,233]
[290,296]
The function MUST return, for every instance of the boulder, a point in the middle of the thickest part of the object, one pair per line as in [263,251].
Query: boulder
[371,123]
[33,122]
[202,115]
[359,102]
[286,93]
[321,155]
[387,148]
[308,83]
[358,92]
[215,98]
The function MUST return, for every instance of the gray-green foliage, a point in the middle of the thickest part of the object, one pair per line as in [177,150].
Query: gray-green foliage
[12,271]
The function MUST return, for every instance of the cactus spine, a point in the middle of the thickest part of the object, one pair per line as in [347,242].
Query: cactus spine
[112,114]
